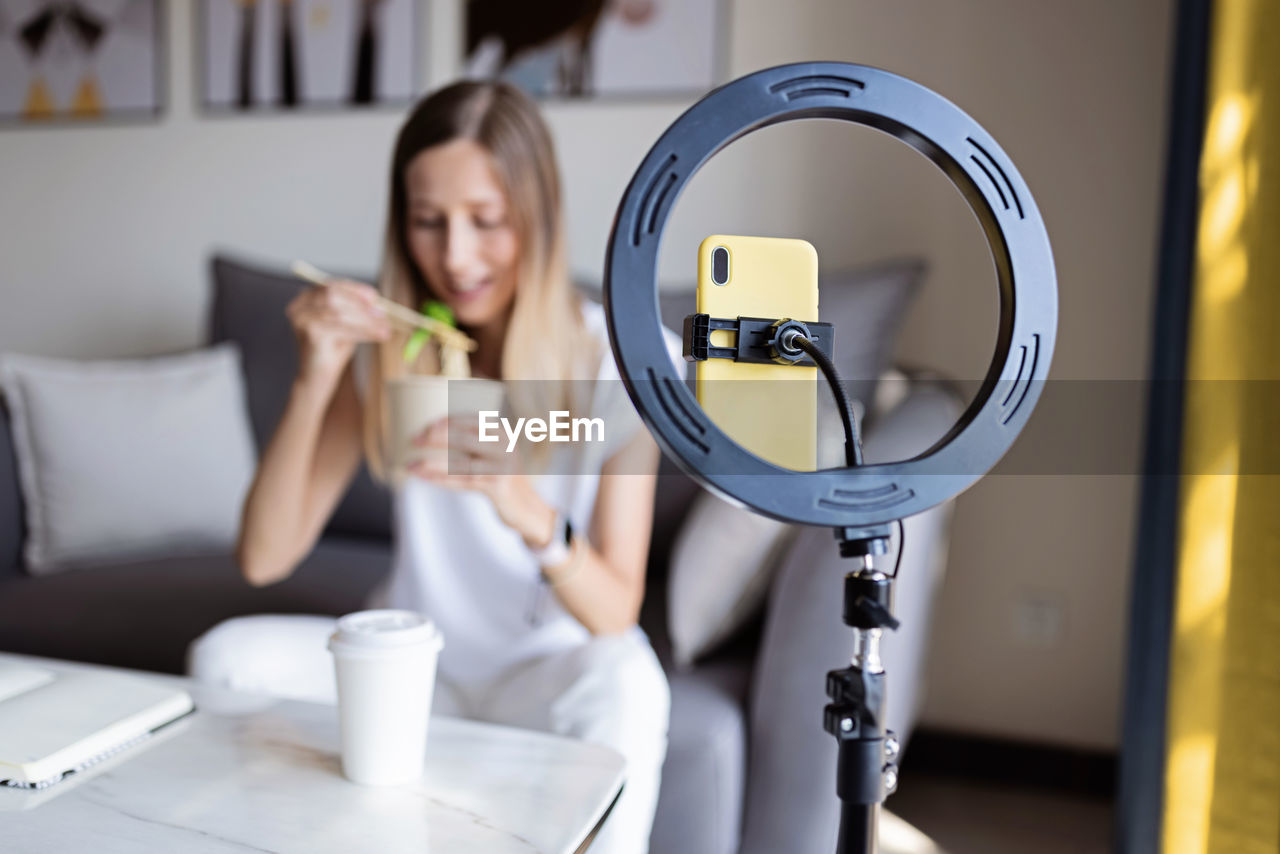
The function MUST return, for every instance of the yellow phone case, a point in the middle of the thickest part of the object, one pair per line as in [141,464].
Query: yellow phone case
[771,410]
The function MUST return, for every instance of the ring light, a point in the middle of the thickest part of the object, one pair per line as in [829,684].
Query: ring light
[984,175]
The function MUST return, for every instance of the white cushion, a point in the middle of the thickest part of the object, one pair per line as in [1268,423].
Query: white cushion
[721,564]
[127,459]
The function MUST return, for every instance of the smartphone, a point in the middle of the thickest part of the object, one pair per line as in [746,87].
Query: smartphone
[771,410]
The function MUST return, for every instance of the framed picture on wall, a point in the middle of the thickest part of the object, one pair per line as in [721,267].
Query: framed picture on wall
[598,48]
[300,54]
[93,60]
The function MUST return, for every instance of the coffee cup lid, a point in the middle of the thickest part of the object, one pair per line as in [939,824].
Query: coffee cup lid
[386,628]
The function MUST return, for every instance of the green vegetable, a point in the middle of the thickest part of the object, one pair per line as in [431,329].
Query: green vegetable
[435,310]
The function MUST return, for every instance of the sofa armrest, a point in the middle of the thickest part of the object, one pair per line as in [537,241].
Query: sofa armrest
[791,801]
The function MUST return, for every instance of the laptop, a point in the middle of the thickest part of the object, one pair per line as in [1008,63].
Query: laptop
[55,723]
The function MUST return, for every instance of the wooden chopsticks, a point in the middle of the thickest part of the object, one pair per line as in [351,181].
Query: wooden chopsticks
[395,311]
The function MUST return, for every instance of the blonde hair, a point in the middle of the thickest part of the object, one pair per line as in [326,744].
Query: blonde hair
[545,338]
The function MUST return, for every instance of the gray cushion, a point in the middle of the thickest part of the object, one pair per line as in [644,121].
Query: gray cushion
[163,471]
[144,615]
[10,501]
[248,308]
[700,804]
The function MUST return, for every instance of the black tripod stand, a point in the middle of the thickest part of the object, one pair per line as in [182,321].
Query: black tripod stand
[866,770]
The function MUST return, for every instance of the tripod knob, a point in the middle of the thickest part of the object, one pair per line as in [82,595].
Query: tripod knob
[890,778]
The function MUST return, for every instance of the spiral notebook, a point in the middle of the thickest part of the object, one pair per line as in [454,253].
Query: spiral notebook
[54,723]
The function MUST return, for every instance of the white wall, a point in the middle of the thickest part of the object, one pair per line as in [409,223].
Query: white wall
[105,233]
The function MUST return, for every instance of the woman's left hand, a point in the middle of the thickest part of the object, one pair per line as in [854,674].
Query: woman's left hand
[461,461]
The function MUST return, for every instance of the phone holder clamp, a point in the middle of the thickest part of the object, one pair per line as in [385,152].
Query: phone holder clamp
[760,340]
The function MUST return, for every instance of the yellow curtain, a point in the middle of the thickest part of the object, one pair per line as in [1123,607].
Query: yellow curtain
[1222,783]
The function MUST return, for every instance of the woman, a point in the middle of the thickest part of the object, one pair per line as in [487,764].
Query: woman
[537,634]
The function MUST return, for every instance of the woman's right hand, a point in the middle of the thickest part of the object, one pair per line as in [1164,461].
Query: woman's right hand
[329,322]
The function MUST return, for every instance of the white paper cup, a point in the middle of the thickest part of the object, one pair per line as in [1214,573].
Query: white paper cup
[415,402]
[386,667]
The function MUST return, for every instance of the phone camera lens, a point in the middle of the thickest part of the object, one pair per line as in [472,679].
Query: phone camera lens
[720,266]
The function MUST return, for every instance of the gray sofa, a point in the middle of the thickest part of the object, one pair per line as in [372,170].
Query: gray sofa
[749,768]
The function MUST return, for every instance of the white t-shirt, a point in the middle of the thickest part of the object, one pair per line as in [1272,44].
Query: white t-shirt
[458,563]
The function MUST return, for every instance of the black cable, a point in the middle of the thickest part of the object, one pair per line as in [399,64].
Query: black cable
[852,436]
[902,546]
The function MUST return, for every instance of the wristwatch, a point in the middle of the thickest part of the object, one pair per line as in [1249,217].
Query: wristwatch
[556,551]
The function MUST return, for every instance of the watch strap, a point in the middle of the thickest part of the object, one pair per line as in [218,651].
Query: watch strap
[556,551]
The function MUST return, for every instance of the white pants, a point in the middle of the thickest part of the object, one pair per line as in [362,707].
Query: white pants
[611,691]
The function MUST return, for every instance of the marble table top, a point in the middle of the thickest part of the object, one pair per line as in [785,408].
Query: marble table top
[247,773]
